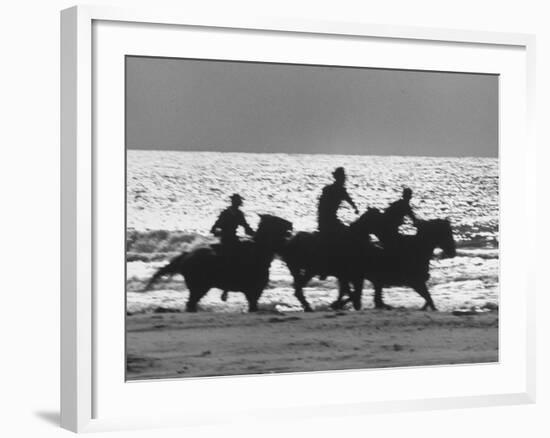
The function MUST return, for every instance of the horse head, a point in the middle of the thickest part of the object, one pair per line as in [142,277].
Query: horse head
[439,233]
[273,230]
[370,222]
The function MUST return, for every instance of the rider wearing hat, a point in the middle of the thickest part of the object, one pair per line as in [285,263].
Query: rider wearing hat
[395,214]
[229,220]
[330,227]
[329,202]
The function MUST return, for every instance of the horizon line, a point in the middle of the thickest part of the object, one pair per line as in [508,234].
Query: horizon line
[311,153]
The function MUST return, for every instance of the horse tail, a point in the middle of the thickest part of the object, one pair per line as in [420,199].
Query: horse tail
[176,266]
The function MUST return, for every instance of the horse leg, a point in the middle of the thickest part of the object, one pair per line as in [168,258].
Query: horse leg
[225,293]
[253,296]
[425,293]
[357,293]
[300,281]
[253,303]
[195,294]
[378,301]
[343,295]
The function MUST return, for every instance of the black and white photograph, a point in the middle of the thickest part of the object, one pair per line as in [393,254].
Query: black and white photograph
[285,218]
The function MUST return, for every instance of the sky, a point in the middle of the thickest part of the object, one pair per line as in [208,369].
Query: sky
[198,105]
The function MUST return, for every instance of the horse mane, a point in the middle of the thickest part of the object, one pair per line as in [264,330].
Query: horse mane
[271,218]
[432,225]
[370,215]
[271,224]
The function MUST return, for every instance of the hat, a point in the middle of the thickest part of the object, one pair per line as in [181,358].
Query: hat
[339,171]
[236,197]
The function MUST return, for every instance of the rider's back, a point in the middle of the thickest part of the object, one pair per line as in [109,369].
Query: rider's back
[330,199]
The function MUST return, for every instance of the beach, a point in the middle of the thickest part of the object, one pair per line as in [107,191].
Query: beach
[174,197]
[173,344]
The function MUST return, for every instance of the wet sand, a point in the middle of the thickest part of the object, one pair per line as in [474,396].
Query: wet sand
[168,345]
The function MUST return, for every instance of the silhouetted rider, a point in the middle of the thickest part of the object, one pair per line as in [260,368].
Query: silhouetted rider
[330,227]
[329,202]
[395,214]
[225,227]
[229,220]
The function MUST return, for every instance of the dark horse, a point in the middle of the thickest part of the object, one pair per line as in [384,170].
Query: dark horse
[406,260]
[246,269]
[309,254]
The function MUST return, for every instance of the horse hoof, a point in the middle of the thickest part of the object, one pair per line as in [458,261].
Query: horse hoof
[337,305]
[308,309]
[427,307]
[383,307]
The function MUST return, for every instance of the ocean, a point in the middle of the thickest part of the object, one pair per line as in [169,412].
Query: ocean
[173,198]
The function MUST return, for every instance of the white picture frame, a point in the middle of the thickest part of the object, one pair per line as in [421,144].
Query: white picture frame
[92,395]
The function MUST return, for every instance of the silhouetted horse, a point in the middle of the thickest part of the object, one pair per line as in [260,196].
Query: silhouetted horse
[309,254]
[406,260]
[247,270]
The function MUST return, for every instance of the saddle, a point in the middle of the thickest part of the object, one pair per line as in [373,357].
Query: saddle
[330,249]
[234,256]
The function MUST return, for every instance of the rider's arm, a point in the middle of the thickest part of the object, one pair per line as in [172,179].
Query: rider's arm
[248,230]
[217,225]
[348,199]
[410,213]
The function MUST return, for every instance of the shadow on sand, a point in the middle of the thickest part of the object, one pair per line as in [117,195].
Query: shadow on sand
[51,417]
